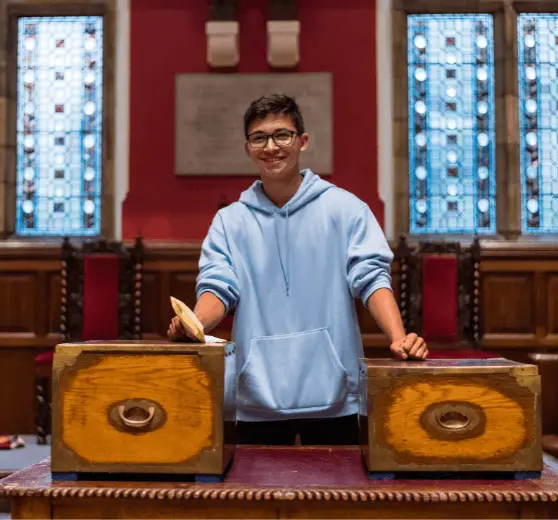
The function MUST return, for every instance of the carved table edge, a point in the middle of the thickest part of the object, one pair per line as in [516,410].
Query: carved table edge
[14,491]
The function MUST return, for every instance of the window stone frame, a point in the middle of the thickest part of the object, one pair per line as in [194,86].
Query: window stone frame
[506,97]
[10,11]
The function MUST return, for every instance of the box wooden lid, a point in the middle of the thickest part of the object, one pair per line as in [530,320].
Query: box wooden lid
[394,367]
[149,346]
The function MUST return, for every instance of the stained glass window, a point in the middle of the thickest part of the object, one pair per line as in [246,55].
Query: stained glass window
[59,116]
[451,123]
[538,112]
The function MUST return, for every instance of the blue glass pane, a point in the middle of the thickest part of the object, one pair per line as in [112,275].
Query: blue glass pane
[538,112]
[451,123]
[59,125]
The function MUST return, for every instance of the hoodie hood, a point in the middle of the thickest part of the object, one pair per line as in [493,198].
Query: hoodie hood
[255,198]
[311,187]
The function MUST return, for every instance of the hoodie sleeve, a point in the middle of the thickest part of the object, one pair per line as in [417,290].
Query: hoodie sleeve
[216,272]
[369,257]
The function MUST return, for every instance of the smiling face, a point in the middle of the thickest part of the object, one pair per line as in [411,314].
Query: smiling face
[276,158]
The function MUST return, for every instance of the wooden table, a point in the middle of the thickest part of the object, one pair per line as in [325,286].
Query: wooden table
[282,483]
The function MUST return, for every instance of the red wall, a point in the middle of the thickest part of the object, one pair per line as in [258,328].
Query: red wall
[168,38]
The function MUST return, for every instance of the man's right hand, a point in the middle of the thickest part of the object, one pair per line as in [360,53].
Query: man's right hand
[176,331]
[209,311]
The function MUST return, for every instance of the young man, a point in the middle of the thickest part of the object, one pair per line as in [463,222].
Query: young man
[291,256]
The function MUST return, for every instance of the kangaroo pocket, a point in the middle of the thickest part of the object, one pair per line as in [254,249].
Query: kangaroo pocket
[292,372]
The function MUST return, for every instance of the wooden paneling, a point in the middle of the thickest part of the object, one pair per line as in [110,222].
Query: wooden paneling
[17,303]
[547,364]
[29,301]
[519,308]
[183,287]
[519,285]
[17,388]
[509,303]
[29,322]
[551,301]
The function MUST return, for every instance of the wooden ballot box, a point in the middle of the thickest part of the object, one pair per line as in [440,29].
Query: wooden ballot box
[130,407]
[463,415]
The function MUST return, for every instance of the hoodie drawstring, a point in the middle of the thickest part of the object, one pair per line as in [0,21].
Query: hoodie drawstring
[287,252]
[284,264]
[255,199]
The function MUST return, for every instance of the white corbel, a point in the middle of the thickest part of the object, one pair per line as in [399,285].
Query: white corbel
[222,43]
[283,43]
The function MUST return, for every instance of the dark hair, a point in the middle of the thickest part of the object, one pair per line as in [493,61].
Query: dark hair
[273,104]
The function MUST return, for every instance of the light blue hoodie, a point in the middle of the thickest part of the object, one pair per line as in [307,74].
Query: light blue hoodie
[292,274]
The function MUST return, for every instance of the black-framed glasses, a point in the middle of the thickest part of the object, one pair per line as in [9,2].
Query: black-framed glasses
[281,137]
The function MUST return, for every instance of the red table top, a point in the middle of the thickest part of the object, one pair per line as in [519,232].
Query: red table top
[291,473]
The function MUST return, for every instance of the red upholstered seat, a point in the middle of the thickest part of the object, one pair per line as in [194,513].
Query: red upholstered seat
[100,297]
[440,307]
[439,298]
[44,359]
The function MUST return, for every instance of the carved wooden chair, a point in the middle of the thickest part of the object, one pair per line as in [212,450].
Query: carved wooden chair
[101,285]
[403,255]
[444,298]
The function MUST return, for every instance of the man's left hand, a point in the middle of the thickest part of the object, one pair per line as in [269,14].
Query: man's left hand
[410,347]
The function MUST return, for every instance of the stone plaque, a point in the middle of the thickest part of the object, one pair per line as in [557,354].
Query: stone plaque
[209,119]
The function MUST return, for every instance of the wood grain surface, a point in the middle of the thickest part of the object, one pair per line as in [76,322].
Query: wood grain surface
[178,383]
[504,428]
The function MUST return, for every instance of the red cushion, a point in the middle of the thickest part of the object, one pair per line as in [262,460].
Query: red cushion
[100,297]
[44,359]
[439,298]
